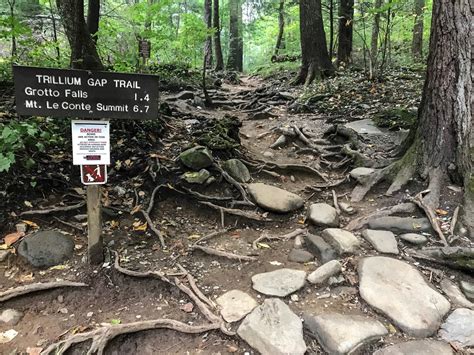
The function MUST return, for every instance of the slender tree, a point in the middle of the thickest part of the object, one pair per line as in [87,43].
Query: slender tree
[346,17]
[417,43]
[441,145]
[375,35]
[281,28]
[93,17]
[83,50]
[235,60]
[208,43]
[315,61]
[217,36]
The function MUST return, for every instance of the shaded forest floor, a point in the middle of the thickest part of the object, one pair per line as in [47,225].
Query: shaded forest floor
[248,116]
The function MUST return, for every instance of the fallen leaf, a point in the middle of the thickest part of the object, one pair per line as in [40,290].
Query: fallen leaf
[138,226]
[276,263]
[263,245]
[441,212]
[232,348]
[188,307]
[31,224]
[115,321]
[28,204]
[194,236]
[59,267]
[26,278]
[11,238]
[7,336]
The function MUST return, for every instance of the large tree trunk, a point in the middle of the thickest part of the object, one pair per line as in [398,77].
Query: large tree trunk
[208,43]
[83,51]
[441,146]
[217,37]
[417,43]
[281,28]
[235,60]
[93,16]
[315,58]
[346,16]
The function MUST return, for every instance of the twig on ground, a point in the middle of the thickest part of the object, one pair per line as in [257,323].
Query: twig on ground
[225,254]
[69,224]
[40,286]
[454,220]
[247,214]
[212,235]
[146,214]
[287,236]
[54,209]
[418,200]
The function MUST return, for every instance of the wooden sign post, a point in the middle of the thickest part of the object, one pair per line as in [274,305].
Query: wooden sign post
[87,94]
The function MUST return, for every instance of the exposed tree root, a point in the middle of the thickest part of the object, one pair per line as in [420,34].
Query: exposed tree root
[360,222]
[288,236]
[40,286]
[54,209]
[336,204]
[236,212]
[418,200]
[212,235]
[224,254]
[454,257]
[101,336]
[146,214]
[236,184]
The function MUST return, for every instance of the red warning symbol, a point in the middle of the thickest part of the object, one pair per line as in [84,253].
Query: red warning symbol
[93,174]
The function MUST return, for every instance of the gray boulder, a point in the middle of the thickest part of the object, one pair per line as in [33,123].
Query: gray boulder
[46,248]
[414,238]
[10,316]
[453,292]
[468,289]
[196,177]
[342,334]
[237,169]
[382,241]
[274,199]
[235,305]
[361,173]
[300,256]
[281,282]
[459,327]
[399,291]
[345,242]
[273,329]
[322,214]
[322,250]
[324,272]
[417,347]
[196,158]
[400,224]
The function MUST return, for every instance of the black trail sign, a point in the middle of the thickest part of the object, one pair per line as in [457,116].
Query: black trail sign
[83,93]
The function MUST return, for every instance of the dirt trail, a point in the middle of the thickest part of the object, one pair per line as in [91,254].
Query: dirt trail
[113,297]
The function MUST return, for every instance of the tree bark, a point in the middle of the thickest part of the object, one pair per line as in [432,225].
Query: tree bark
[281,28]
[208,43]
[93,16]
[235,60]
[83,50]
[315,58]
[217,37]
[346,16]
[331,29]
[417,43]
[375,35]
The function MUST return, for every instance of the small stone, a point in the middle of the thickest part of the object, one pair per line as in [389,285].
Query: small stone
[454,294]
[10,316]
[268,154]
[60,298]
[322,214]
[345,242]
[300,256]
[459,327]
[197,158]
[413,238]
[322,250]
[298,243]
[365,126]
[342,334]
[382,241]
[417,347]
[345,207]
[400,224]
[21,227]
[80,217]
[89,314]
[294,298]
[324,272]
[196,177]
[281,282]
[187,307]
[336,280]
[468,289]
[237,169]
[235,305]
[46,248]
[63,310]
[361,173]
[273,329]
[274,199]
[398,290]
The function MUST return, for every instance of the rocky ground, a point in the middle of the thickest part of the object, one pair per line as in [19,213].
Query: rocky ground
[252,201]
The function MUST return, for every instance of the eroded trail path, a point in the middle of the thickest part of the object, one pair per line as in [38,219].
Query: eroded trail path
[271,239]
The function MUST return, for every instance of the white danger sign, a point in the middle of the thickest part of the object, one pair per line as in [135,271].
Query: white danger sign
[90,142]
